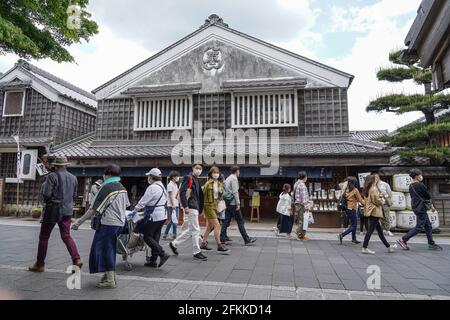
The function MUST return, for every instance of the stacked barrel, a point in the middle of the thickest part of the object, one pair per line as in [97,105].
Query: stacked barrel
[402,217]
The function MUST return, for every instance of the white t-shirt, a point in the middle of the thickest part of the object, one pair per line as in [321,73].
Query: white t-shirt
[172,189]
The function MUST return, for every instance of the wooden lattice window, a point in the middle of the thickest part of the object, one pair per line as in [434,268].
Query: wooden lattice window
[163,113]
[264,110]
[14,103]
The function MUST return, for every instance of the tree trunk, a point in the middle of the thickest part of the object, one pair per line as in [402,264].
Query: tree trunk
[429,117]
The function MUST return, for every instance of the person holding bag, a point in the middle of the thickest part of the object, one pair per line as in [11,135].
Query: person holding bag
[109,207]
[351,193]
[154,205]
[372,209]
[58,192]
[214,203]
[421,203]
[302,205]
[285,215]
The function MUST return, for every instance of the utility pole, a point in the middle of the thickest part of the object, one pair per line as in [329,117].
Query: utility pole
[16,138]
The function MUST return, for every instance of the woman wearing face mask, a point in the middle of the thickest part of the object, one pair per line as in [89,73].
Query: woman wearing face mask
[212,194]
[172,204]
[153,203]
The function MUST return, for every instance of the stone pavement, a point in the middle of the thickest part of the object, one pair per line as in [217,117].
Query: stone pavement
[275,268]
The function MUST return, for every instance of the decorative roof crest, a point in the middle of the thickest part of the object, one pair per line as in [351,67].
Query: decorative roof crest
[214,19]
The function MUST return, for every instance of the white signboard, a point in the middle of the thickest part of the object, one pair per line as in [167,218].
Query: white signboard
[362,177]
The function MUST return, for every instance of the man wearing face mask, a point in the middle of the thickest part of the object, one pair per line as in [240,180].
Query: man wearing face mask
[191,197]
[153,203]
[421,203]
[234,209]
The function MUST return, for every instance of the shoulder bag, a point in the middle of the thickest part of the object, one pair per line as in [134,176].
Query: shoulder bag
[52,212]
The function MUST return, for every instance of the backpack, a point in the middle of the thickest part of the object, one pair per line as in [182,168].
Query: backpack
[228,196]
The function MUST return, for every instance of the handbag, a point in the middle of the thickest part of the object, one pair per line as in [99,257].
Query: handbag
[52,212]
[96,220]
[221,206]
[428,204]
[342,203]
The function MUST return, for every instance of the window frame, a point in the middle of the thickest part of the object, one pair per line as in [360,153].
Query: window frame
[260,93]
[23,91]
[190,112]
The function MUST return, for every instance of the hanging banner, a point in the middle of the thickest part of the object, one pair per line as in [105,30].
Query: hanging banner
[2,193]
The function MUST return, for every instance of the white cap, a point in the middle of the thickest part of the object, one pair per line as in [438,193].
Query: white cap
[155,172]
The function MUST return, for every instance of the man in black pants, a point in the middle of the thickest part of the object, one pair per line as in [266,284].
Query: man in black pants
[420,202]
[154,204]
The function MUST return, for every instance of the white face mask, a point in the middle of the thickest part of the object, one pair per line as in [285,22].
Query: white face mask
[420,178]
[197,172]
[215,176]
[177,179]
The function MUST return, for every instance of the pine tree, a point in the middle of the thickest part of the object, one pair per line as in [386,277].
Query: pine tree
[417,139]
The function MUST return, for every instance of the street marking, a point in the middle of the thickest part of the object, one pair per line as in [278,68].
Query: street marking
[298,290]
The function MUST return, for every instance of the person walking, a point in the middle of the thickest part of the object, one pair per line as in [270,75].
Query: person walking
[191,197]
[386,192]
[372,209]
[154,204]
[285,215]
[233,209]
[353,197]
[214,203]
[420,203]
[301,204]
[172,204]
[60,187]
[111,203]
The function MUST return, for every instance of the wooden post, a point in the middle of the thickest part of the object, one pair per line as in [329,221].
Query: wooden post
[2,192]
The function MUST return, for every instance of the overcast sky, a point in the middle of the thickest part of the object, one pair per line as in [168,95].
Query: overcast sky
[354,36]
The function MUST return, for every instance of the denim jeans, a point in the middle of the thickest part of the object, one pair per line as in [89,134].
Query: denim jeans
[351,214]
[423,222]
[171,223]
[231,212]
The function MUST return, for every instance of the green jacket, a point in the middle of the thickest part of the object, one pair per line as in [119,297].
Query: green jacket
[208,195]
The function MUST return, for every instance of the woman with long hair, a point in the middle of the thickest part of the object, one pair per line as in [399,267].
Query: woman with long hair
[213,198]
[353,197]
[172,204]
[373,203]
[284,209]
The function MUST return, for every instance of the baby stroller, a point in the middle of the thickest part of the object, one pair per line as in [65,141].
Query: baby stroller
[131,242]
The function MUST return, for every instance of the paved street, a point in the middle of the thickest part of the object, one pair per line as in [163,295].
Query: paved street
[275,268]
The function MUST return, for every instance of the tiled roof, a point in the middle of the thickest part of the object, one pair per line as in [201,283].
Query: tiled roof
[26,141]
[84,147]
[260,83]
[58,85]
[173,87]
[368,135]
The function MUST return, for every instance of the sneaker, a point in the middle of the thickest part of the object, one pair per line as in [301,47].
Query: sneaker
[276,231]
[228,239]
[356,241]
[435,247]
[340,238]
[391,249]
[36,268]
[390,234]
[163,260]
[200,256]
[250,241]
[204,246]
[173,248]
[367,251]
[151,264]
[165,237]
[403,244]
[221,248]
[303,238]
[361,233]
